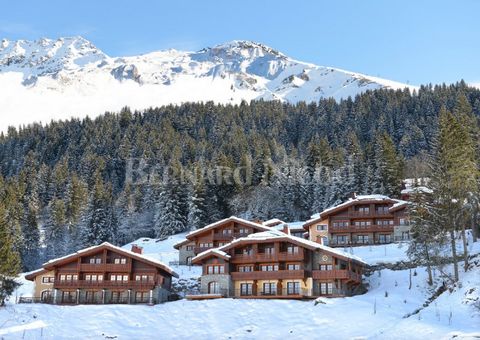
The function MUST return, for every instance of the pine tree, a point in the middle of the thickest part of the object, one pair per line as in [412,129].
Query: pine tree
[10,258]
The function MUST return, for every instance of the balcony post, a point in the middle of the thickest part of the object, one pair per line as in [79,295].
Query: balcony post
[103,296]
[150,298]
[129,296]
[55,293]
[78,296]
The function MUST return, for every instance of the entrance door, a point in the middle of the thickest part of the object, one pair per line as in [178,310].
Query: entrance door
[213,288]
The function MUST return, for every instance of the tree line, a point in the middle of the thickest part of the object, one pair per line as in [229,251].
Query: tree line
[65,185]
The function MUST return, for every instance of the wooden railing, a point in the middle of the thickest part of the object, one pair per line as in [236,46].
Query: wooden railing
[104,284]
[267,257]
[269,275]
[336,274]
[104,267]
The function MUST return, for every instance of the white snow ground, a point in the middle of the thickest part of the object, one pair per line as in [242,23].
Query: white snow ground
[378,314]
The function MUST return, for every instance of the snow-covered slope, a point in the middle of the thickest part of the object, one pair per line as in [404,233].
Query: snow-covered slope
[53,79]
[386,311]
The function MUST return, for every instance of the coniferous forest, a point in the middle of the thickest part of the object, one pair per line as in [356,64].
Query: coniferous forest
[66,185]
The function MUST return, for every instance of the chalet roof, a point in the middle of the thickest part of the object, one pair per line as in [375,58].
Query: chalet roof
[181,243]
[142,258]
[352,201]
[276,235]
[31,275]
[255,225]
[273,222]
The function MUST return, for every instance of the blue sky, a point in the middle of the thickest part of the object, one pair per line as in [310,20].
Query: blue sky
[415,41]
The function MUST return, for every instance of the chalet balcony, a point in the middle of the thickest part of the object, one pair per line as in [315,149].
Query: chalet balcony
[105,284]
[336,274]
[198,250]
[284,293]
[269,275]
[222,237]
[105,267]
[267,257]
[372,228]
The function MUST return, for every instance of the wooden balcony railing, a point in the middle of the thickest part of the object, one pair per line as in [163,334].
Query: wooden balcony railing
[198,250]
[269,275]
[105,267]
[104,284]
[267,257]
[336,274]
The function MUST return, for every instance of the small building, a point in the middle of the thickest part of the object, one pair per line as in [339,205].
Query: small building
[273,264]
[369,219]
[215,235]
[103,274]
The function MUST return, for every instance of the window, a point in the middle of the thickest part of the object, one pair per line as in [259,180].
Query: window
[385,222]
[143,278]
[293,266]
[269,267]
[189,248]
[247,251]
[293,288]
[363,210]
[215,269]
[246,289]
[321,227]
[48,279]
[326,288]
[340,239]
[340,224]
[403,221]
[405,235]
[244,231]
[227,231]
[92,277]
[189,261]
[382,210]
[206,245]
[47,296]
[326,267]
[363,224]
[69,297]
[244,269]
[269,288]
[269,250]
[120,261]
[291,249]
[382,238]
[213,288]
[142,297]
[95,260]
[362,239]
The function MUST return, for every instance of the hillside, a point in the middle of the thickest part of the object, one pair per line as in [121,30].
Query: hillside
[55,79]
[380,313]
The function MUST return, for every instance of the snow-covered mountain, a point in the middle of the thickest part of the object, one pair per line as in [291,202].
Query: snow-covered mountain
[54,79]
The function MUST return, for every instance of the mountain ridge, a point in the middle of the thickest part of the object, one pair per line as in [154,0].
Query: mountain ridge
[70,76]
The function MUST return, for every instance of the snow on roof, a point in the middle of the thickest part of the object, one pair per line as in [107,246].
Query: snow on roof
[214,251]
[273,221]
[360,198]
[416,190]
[232,218]
[276,234]
[121,250]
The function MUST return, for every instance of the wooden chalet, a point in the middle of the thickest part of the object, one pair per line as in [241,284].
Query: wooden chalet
[273,264]
[215,235]
[102,274]
[373,219]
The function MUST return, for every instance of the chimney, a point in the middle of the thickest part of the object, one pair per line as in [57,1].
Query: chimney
[285,229]
[353,195]
[137,249]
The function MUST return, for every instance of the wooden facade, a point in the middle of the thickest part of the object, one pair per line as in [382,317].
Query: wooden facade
[361,221]
[215,235]
[275,265]
[101,275]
